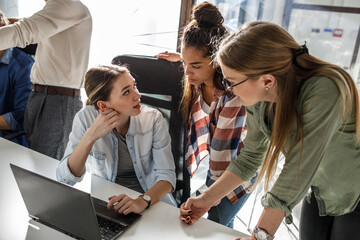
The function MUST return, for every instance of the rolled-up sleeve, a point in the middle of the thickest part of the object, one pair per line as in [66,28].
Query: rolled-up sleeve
[11,121]
[63,173]
[271,201]
[164,165]
[253,152]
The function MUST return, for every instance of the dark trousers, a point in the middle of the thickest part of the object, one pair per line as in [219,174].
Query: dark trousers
[48,122]
[315,227]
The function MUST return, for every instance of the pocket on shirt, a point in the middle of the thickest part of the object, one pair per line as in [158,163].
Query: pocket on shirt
[146,163]
[97,159]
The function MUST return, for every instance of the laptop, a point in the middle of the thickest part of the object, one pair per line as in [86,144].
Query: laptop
[68,209]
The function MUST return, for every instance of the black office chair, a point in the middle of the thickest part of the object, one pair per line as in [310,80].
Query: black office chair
[159,82]
[29,49]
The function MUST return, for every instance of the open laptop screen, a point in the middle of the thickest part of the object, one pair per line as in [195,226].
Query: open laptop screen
[58,205]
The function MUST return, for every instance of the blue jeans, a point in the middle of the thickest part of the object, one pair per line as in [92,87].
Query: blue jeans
[225,212]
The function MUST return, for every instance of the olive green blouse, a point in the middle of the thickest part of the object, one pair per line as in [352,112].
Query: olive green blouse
[330,163]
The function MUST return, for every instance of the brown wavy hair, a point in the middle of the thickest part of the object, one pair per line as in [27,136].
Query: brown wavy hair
[203,32]
[259,48]
[99,82]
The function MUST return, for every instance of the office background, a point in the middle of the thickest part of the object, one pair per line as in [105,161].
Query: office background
[331,29]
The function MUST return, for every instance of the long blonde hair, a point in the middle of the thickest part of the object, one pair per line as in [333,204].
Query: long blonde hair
[259,48]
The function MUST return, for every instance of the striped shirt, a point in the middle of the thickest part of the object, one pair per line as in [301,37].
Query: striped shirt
[219,134]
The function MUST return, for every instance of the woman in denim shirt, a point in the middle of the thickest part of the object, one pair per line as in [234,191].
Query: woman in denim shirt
[116,138]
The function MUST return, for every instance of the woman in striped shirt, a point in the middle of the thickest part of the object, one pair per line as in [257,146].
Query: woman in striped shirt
[215,118]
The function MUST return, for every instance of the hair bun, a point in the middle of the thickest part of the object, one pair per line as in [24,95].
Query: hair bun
[207,15]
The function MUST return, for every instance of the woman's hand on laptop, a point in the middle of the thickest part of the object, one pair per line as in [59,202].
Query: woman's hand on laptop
[124,204]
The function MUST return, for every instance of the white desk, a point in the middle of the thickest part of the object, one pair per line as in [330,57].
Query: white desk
[161,221]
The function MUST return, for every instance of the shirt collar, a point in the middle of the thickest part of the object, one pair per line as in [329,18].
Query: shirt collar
[218,93]
[6,57]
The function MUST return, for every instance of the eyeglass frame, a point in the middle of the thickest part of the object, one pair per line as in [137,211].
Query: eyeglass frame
[226,82]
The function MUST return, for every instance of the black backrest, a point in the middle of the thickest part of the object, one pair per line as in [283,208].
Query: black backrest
[159,82]
[29,49]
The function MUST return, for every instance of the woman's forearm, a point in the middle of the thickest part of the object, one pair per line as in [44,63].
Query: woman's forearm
[227,182]
[78,157]
[270,220]
[159,190]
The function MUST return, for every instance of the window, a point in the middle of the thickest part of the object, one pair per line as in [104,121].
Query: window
[120,27]
[330,28]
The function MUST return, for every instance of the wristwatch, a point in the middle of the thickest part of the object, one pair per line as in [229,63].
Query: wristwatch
[262,234]
[147,198]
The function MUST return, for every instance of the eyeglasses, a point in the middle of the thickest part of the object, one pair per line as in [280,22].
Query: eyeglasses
[227,85]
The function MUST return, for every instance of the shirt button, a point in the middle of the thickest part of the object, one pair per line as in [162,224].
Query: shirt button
[134,162]
[140,177]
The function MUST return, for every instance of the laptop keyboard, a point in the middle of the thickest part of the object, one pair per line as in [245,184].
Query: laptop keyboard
[107,228]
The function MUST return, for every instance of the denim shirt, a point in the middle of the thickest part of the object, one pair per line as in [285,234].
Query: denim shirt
[148,142]
[15,87]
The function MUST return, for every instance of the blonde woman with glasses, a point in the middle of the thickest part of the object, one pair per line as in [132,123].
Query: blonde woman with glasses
[308,110]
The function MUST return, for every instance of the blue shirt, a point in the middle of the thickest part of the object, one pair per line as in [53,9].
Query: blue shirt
[15,87]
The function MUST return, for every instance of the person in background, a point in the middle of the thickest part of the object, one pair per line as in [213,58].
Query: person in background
[15,67]
[62,30]
[304,108]
[29,49]
[214,117]
[116,138]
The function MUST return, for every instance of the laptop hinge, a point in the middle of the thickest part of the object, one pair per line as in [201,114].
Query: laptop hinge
[34,218]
